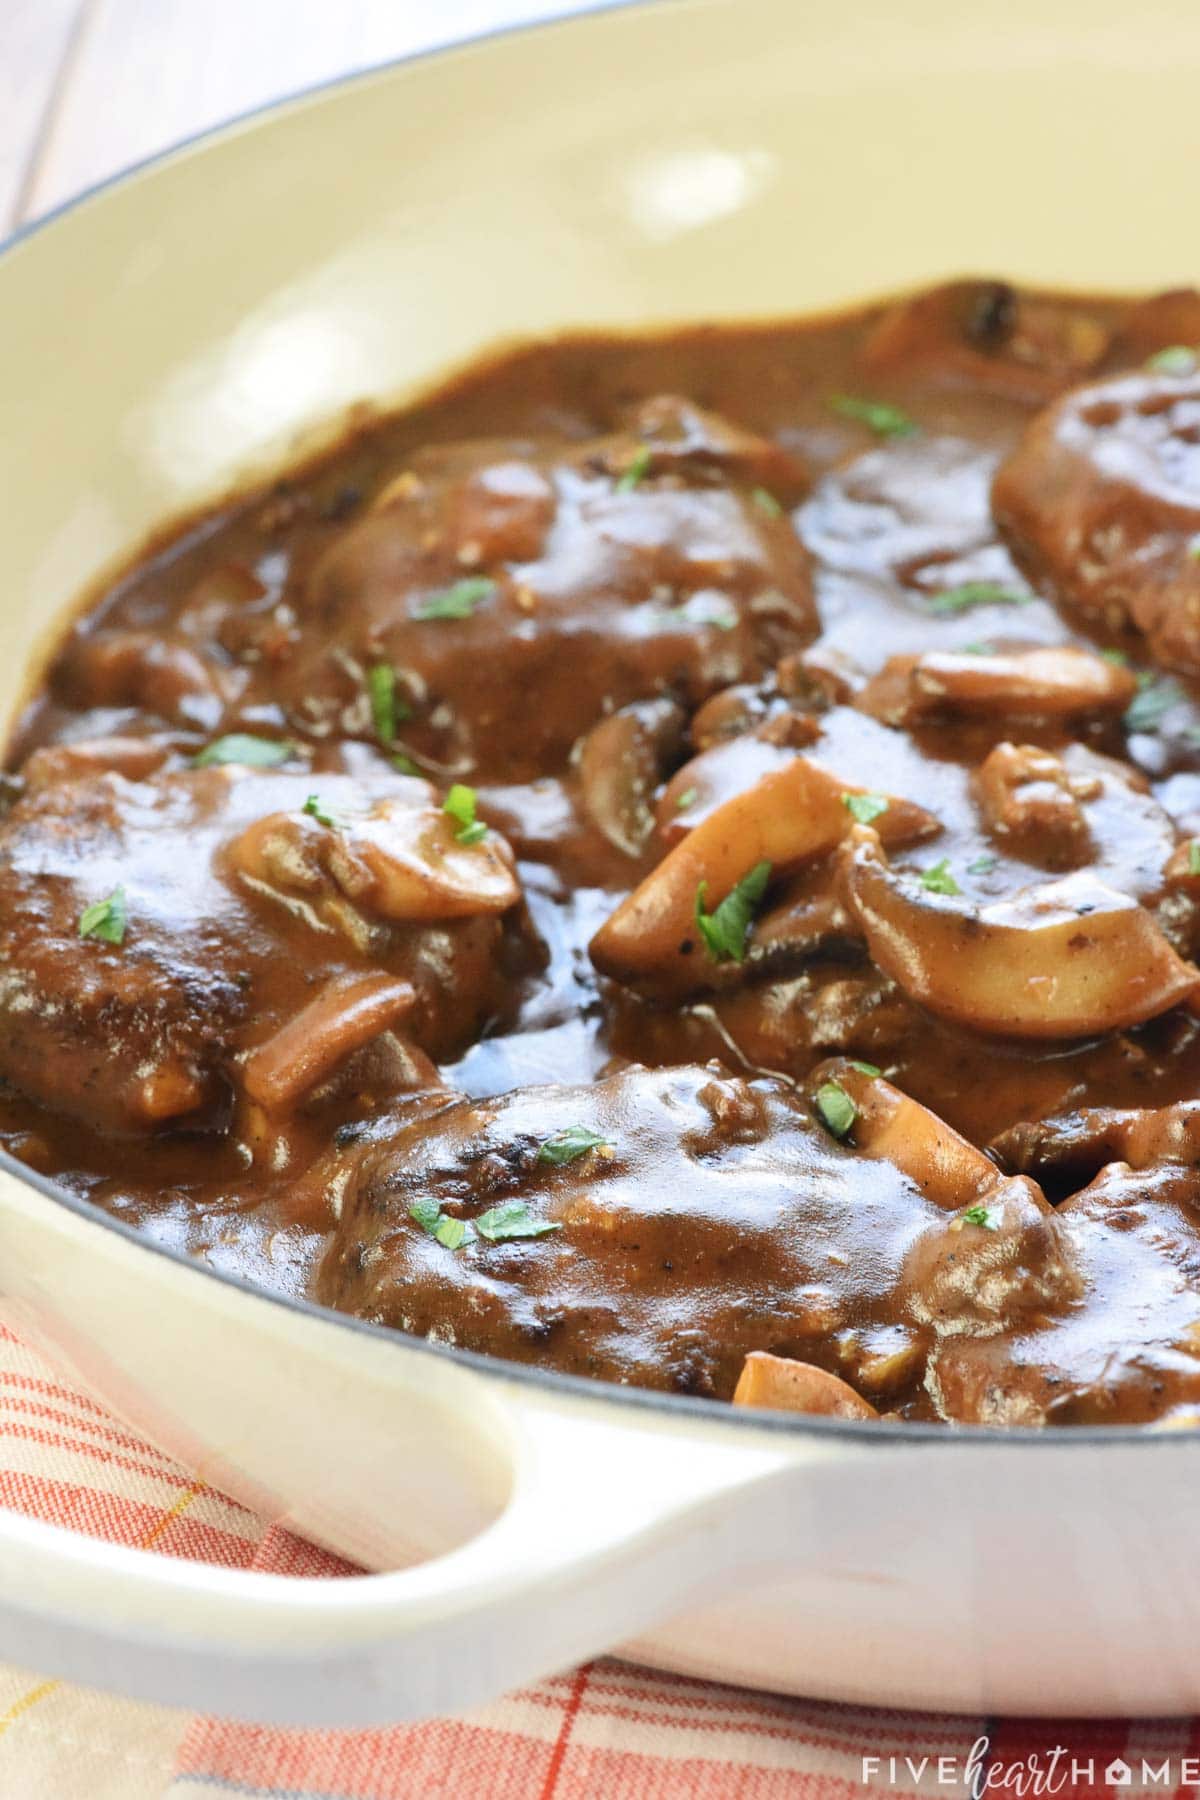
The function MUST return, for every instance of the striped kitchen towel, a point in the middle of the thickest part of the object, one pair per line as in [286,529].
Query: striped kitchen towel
[607,1731]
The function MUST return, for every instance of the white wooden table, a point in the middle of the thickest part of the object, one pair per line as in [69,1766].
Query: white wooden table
[89,86]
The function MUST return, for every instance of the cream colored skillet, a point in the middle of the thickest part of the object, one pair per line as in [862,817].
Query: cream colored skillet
[194,321]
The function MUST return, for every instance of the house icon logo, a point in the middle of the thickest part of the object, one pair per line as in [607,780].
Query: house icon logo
[1118,1774]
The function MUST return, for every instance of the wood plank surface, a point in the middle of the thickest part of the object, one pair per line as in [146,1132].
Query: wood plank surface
[36,41]
[94,85]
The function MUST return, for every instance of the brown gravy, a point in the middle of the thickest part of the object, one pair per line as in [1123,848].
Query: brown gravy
[419,1012]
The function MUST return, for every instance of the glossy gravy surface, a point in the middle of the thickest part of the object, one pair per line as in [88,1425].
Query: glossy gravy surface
[883,630]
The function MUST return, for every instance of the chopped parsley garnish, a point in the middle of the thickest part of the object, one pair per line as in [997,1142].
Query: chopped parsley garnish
[983,865]
[1193,549]
[1152,702]
[701,609]
[105,919]
[865,807]
[976,593]
[725,929]
[240,747]
[457,602]
[979,1215]
[1117,658]
[459,805]
[453,1233]
[1194,856]
[866,1068]
[404,764]
[388,708]
[837,1110]
[937,879]
[766,502]
[978,648]
[637,471]
[688,798]
[512,1219]
[566,1145]
[316,809]
[1176,359]
[885,421]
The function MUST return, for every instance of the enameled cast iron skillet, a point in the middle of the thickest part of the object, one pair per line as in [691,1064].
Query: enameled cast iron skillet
[192,323]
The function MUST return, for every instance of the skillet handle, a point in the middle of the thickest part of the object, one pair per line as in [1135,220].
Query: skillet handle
[609,1528]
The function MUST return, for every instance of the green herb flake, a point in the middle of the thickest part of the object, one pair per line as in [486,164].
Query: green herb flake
[388,708]
[979,1215]
[1117,658]
[937,879]
[711,610]
[512,1219]
[404,765]
[453,1233]
[1152,702]
[976,593]
[1176,359]
[1194,856]
[836,1109]
[105,919]
[983,865]
[885,421]
[701,609]
[978,648]
[1193,549]
[316,809]
[459,805]
[865,808]
[240,747]
[866,1068]
[637,470]
[567,1145]
[457,602]
[688,798]
[766,503]
[726,928]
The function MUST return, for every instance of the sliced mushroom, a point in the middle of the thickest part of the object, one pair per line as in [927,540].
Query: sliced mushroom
[346,1015]
[1055,683]
[794,812]
[1062,960]
[785,1385]
[621,763]
[888,1123]
[400,860]
[1030,798]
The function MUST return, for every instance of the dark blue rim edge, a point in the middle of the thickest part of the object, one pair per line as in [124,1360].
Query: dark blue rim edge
[681,1406]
